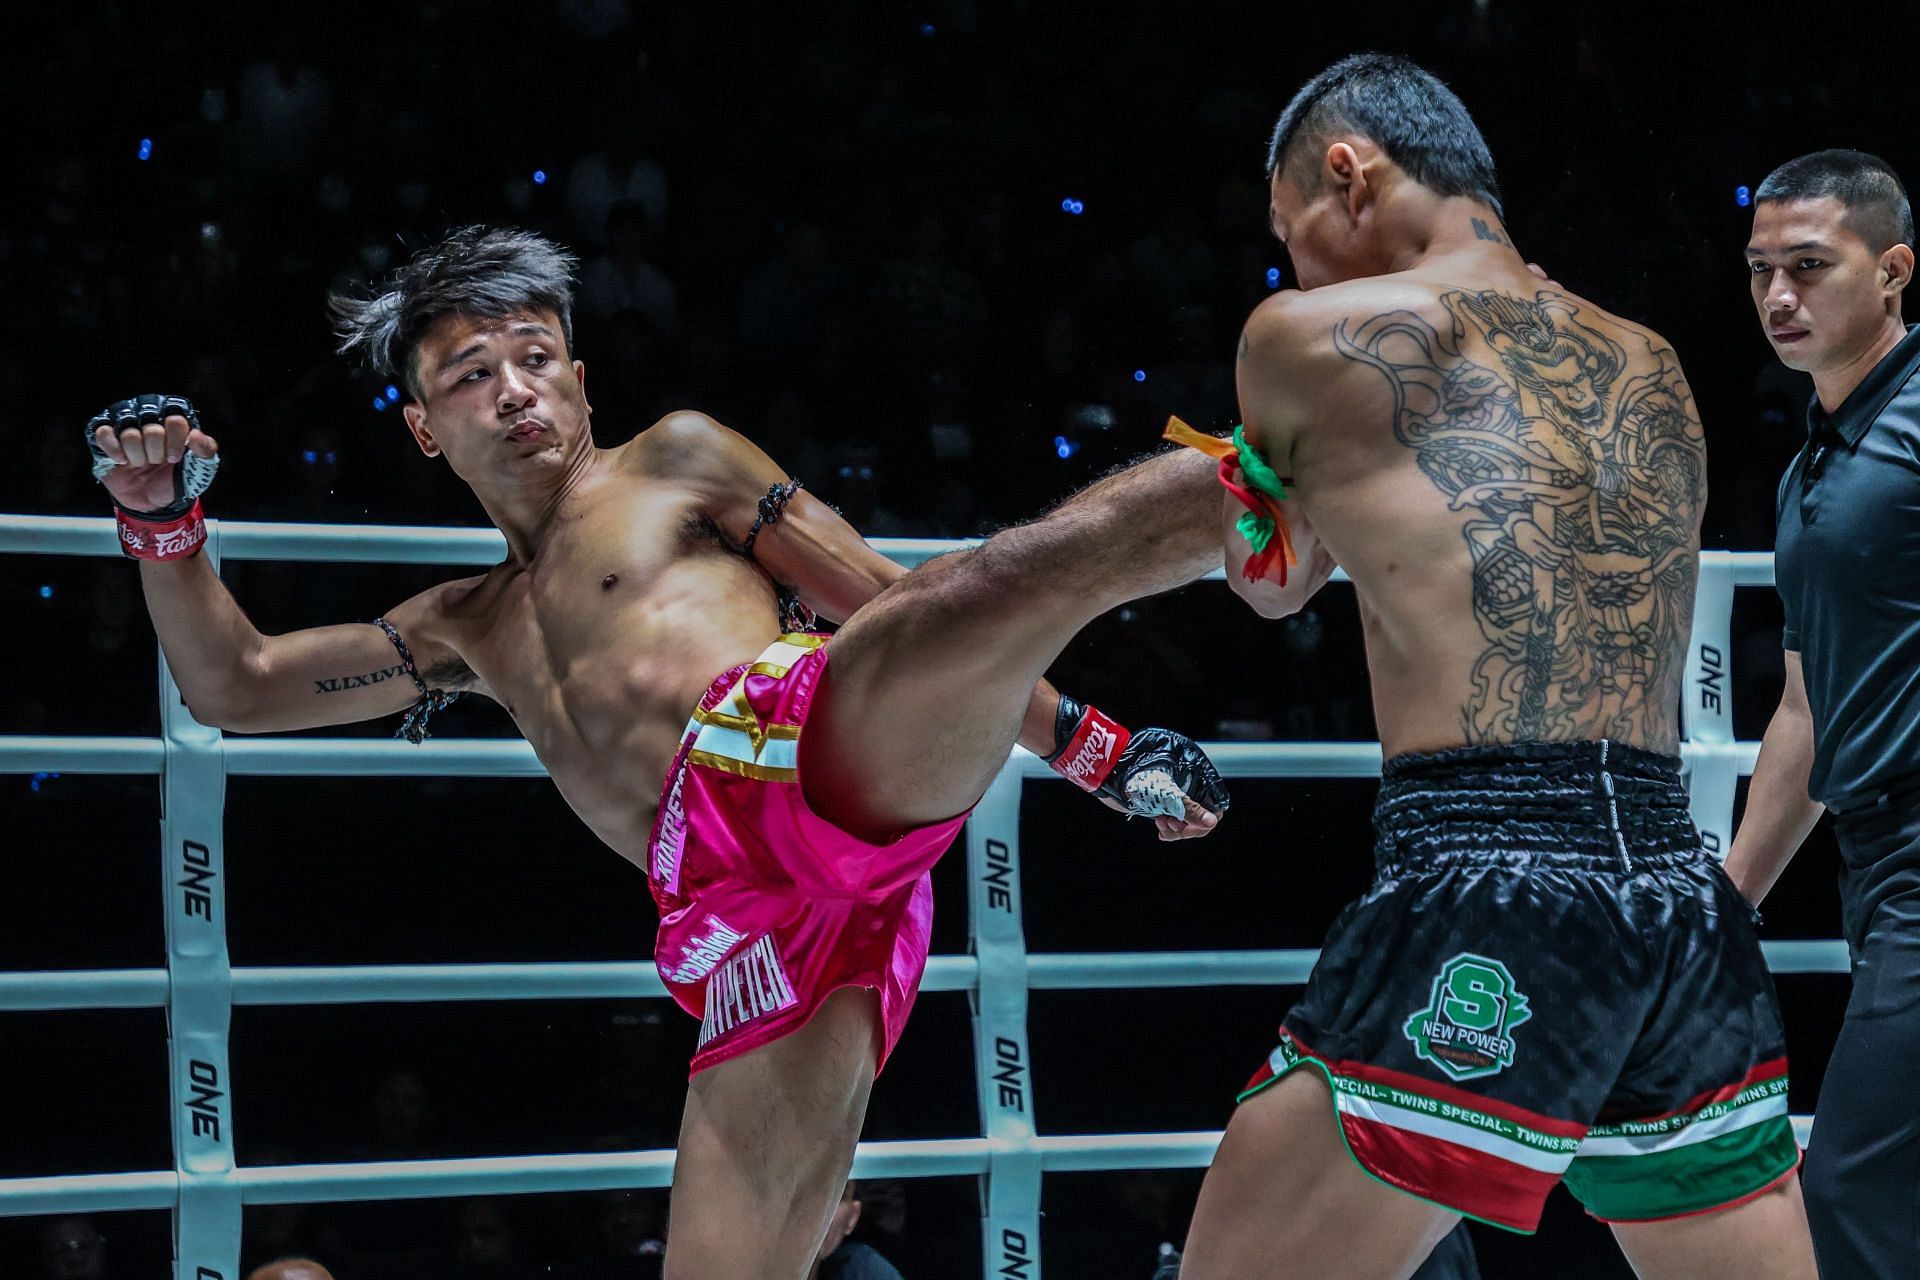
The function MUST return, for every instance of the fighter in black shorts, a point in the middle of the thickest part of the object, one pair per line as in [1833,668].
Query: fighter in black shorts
[1549,979]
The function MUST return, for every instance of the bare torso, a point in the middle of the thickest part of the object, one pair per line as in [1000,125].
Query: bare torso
[600,645]
[1513,479]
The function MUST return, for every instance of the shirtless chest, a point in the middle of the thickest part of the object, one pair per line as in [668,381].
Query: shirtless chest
[600,647]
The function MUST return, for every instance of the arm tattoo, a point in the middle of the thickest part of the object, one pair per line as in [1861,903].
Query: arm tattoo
[1582,471]
[339,683]
[1244,345]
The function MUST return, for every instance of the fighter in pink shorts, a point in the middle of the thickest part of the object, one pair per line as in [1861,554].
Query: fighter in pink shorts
[766,907]
[787,831]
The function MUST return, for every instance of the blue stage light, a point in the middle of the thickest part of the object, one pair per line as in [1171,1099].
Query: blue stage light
[393,393]
[1742,197]
[1273,277]
[146,148]
[46,592]
[539,177]
[1139,375]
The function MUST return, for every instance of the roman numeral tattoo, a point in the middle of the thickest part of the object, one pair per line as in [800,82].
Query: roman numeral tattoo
[340,684]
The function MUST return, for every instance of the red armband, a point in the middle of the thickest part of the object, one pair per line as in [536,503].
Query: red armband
[169,538]
[1092,751]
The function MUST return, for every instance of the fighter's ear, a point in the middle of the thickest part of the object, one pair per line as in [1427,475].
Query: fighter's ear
[1341,164]
[416,417]
[1345,174]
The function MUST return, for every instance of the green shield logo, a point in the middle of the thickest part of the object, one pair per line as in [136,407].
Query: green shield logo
[1467,1027]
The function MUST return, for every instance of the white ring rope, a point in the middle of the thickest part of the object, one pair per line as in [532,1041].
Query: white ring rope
[205,1191]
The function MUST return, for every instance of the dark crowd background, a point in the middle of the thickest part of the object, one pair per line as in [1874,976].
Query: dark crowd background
[946,260]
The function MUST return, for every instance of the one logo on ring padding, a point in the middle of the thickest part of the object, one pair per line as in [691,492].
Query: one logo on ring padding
[1467,1027]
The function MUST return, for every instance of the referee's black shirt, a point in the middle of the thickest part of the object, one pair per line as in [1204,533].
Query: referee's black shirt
[1847,562]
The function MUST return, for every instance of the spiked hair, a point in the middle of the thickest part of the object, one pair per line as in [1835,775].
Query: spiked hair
[475,271]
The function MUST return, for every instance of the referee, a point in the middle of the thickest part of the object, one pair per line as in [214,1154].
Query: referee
[1830,255]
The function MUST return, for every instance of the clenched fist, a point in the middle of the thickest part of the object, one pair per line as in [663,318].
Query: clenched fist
[151,454]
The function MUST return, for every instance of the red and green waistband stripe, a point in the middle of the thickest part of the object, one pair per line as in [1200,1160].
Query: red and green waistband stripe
[1771,1073]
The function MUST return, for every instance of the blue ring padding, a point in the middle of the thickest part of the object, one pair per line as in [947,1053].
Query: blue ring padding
[513,758]
[388,984]
[413,544]
[337,1183]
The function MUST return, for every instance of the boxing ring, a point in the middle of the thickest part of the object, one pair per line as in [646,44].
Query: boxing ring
[199,988]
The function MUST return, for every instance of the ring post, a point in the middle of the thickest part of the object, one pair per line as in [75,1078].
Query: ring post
[206,1225]
[1003,1072]
[1706,711]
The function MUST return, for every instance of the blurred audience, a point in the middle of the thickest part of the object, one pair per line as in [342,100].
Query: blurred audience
[72,1248]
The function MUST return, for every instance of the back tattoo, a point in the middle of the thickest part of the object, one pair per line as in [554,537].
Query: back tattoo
[1584,473]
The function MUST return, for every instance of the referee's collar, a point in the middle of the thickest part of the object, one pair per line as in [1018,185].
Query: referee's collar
[1868,400]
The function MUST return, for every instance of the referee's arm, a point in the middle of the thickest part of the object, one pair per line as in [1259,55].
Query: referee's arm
[1779,812]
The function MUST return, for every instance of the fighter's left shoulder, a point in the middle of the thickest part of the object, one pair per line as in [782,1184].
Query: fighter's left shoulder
[689,445]
[1297,326]
[725,471]
[683,441]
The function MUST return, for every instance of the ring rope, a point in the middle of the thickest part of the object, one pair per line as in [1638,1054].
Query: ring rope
[204,1189]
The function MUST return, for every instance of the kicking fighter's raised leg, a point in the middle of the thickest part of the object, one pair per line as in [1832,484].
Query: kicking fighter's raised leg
[927,689]
[931,682]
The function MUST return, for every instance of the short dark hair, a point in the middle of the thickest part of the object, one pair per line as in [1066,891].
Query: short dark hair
[1875,198]
[1420,123]
[475,271]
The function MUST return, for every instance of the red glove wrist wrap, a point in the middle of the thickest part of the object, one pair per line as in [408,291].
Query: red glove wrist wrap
[1092,751]
[170,539]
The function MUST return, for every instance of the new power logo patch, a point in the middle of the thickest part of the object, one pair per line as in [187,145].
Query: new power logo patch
[1467,1028]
